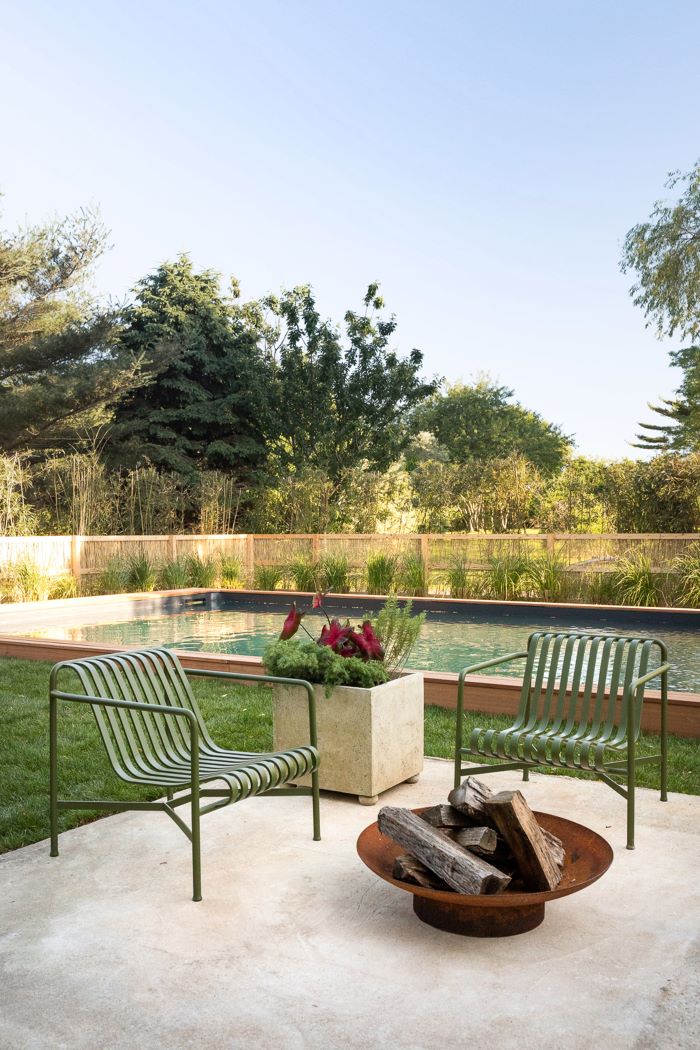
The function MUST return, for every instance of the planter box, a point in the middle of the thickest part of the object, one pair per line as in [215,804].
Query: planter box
[369,739]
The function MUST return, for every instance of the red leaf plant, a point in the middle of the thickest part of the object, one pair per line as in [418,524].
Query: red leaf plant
[360,642]
[292,623]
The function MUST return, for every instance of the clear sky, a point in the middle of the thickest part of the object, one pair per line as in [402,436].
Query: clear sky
[483,161]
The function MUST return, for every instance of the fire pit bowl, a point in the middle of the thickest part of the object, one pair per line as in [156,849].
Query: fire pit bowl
[588,856]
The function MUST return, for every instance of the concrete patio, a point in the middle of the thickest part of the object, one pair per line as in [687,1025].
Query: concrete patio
[296,944]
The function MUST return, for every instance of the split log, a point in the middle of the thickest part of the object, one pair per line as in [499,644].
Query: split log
[556,847]
[470,798]
[518,826]
[408,869]
[461,870]
[479,840]
[444,816]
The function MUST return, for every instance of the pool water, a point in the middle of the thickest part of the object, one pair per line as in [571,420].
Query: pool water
[449,640]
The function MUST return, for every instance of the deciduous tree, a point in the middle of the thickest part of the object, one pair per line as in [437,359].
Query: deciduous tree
[341,399]
[480,422]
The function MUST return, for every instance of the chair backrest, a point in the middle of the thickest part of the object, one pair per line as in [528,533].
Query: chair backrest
[139,743]
[576,681]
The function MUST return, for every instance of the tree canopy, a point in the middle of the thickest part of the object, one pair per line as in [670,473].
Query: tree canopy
[340,399]
[60,360]
[203,406]
[481,422]
[664,254]
[681,430]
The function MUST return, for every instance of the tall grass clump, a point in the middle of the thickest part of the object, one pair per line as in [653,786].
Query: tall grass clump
[231,571]
[24,581]
[381,571]
[141,573]
[305,573]
[17,518]
[112,579]
[545,578]
[596,588]
[398,630]
[460,581]
[635,581]
[687,566]
[412,577]
[201,572]
[65,586]
[335,573]
[504,577]
[173,575]
[267,577]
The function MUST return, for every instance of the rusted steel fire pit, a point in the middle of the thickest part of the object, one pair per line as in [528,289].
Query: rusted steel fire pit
[588,856]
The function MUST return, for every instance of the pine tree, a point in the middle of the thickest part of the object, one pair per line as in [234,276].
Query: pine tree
[204,405]
[59,357]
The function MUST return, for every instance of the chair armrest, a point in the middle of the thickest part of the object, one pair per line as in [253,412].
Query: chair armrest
[239,676]
[156,709]
[102,701]
[634,685]
[489,663]
[636,682]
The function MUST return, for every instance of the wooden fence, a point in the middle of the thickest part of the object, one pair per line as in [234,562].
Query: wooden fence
[86,555]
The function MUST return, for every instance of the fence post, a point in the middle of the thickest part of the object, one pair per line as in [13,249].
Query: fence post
[172,546]
[550,543]
[314,547]
[76,544]
[425,557]
[249,559]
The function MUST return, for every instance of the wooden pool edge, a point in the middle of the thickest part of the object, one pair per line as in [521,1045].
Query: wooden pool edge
[485,693]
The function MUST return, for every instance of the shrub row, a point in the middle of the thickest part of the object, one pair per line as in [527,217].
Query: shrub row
[632,580]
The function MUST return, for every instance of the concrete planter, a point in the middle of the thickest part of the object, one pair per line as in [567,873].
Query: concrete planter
[369,739]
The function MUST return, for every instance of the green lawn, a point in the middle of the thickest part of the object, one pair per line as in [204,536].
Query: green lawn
[239,717]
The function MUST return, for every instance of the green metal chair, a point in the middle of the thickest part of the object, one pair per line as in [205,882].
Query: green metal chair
[580,708]
[155,736]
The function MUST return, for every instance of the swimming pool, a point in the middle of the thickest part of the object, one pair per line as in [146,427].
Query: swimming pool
[455,634]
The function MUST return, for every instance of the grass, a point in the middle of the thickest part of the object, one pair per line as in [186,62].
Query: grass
[636,582]
[412,577]
[381,573]
[267,577]
[305,573]
[141,573]
[240,717]
[201,572]
[335,573]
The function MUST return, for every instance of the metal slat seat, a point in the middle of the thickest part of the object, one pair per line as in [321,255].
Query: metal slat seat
[155,736]
[580,708]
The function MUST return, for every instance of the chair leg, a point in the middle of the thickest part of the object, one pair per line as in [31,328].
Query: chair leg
[664,737]
[630,805]
[315,799]
[53,776]
[196,848]
[526,774]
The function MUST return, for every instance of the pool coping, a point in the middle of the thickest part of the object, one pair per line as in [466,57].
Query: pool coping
[490,694]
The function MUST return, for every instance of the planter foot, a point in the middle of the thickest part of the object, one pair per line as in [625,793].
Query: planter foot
[368,800]
[413,780]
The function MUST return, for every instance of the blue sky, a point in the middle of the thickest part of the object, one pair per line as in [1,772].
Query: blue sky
[482,161]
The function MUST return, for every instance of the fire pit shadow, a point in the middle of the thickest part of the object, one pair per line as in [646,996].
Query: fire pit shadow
[588,857]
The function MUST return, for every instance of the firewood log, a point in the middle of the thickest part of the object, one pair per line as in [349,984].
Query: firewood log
[517,824]
[408,869]
[461,870]
[445,816]
[470,798]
